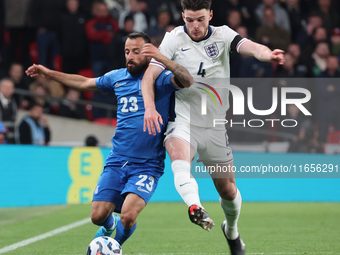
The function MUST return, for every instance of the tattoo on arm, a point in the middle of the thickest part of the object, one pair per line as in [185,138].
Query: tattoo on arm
[180,73]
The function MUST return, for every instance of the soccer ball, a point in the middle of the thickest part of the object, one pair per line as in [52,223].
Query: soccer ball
[104,245]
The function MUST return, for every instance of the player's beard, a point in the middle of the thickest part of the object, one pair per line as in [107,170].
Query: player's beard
[137,68]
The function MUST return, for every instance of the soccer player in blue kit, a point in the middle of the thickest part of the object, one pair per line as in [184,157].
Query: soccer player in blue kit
[136,162]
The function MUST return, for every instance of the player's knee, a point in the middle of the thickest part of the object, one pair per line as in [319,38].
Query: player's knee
[228,191]
[97,217]
[128,219]
[177,155]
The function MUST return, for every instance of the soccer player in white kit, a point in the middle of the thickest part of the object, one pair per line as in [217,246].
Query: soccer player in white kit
[204,51]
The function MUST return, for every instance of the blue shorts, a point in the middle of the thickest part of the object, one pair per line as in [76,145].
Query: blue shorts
[117,181]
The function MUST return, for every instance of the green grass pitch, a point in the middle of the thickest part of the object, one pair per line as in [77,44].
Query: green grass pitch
[164,228]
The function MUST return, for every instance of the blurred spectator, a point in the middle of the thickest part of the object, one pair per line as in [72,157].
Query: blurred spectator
[245,66]
[52,87]
[115,7]
[86,7]
[33,129]
[41,99]
[295,17]
[270,34]
[16,73]
[328,14]
[306,7]
[20,31]
[157,32]
[91,140]
[100,31]
[104,98]
[314,22]
[281,18]
[141,23]
[306,139]
[46,19]
[3,131]
[117,45]
[335,39]
[8,107]
[328,97]
[234,19]
[69,107]
[222,8]
[318,60]
[301,67]
[73,38]
[150,19]
[288,69]
[319,35]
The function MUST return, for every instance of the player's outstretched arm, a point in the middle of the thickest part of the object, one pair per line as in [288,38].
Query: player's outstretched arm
[262,53]
[71,80]
[182,74]
[151,117]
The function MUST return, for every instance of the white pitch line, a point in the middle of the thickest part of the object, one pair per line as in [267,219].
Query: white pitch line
[43,236]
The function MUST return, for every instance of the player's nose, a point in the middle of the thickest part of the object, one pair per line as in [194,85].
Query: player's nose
[129,56]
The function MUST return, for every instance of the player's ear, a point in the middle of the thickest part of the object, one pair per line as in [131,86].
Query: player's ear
[183,16]
[210,15]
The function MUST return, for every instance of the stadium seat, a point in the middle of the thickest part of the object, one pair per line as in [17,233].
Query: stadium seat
[34,52]
[105,121]
[88,112]
[333,137]
[87,72]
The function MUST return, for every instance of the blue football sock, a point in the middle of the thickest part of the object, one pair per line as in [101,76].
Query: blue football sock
[108,223]
[122,234]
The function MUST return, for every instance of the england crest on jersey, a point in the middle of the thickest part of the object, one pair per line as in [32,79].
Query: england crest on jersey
[211,50]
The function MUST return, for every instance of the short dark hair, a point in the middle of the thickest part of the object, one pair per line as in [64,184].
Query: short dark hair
[91,141]
[196,5]
[34,104]
[135,35]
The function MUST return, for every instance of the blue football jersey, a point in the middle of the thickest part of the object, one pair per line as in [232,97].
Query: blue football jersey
[129,142]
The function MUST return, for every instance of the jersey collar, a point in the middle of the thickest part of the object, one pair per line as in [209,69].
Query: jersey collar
[205,38]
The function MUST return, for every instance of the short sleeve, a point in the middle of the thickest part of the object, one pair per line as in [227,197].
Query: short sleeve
[229,36]
[164,82]
[167,48]
[106,82]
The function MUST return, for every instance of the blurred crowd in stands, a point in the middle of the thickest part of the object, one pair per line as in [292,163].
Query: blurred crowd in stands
[87,37]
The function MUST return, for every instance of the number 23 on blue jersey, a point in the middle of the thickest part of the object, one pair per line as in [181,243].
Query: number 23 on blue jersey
[129,104]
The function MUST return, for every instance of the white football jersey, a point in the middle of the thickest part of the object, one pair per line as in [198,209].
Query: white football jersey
[208,62]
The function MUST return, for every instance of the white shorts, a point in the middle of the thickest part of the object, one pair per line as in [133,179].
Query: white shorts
[211,144]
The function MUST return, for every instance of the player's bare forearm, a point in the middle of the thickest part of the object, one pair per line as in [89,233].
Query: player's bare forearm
[262,52]
[180,72]
[71,80]
[152,118]
[147,86]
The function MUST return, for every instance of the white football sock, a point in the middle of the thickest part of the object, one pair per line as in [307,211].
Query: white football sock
[232,211]
[187,187]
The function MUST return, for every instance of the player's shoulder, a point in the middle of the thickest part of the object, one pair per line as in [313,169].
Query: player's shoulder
[117,72]
[175,33]
[222,32]
[177,30]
